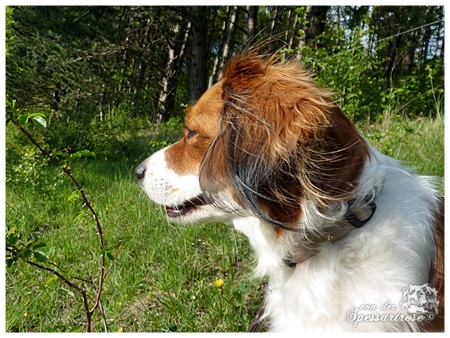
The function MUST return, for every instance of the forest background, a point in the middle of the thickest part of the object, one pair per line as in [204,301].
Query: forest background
[101,88]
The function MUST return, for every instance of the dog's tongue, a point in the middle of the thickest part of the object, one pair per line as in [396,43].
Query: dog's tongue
[185,208]
[174,212]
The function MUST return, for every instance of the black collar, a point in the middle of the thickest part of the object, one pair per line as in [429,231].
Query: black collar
[359,212]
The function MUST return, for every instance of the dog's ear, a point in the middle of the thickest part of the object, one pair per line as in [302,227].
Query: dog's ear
[281,140]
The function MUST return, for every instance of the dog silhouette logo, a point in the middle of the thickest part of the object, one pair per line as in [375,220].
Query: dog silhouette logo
[419,299]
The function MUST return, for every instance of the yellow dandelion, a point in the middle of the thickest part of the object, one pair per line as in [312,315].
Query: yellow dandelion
[25,314]
[120,329]
[218,283]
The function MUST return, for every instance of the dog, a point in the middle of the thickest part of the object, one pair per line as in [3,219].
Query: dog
[341,230]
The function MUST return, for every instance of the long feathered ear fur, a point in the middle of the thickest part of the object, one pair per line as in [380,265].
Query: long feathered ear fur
[282,140]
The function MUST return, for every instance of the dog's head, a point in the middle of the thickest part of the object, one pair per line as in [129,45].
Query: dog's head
[265,141]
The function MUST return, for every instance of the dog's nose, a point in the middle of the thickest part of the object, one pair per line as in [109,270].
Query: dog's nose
[140,172]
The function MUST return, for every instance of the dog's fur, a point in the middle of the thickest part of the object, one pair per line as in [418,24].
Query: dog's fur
[266,149]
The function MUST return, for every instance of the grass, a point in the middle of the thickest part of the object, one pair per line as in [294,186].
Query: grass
[163,275]
[418,143]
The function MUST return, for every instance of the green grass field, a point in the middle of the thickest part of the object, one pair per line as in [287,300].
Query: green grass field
[163,277]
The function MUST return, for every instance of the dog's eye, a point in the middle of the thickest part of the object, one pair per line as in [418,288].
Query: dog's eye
[190,133]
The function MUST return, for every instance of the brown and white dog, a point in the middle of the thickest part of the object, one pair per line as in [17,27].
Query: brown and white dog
[350,239]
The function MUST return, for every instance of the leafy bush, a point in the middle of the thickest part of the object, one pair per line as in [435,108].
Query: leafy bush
[349,68]
[115,138]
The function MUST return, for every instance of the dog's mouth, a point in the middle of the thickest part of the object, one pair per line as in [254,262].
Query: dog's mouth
[186,207]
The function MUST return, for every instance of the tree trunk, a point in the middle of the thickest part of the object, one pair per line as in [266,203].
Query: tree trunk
[199,47]
[393,56]
[177,50]
[294,29]
[288,26]
[408,59]
[274,22]
[251,21]
[228,45]
[215,70]
[316,18]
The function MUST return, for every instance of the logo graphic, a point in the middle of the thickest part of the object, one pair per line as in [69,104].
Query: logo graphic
[419,299]
[418,303]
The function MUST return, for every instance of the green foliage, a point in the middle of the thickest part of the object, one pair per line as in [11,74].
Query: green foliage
[9,33]
[345,65]
[115,138]
[28,171]
[80,64]
[14,114]
[16,249]
[96,72]
[347,68]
